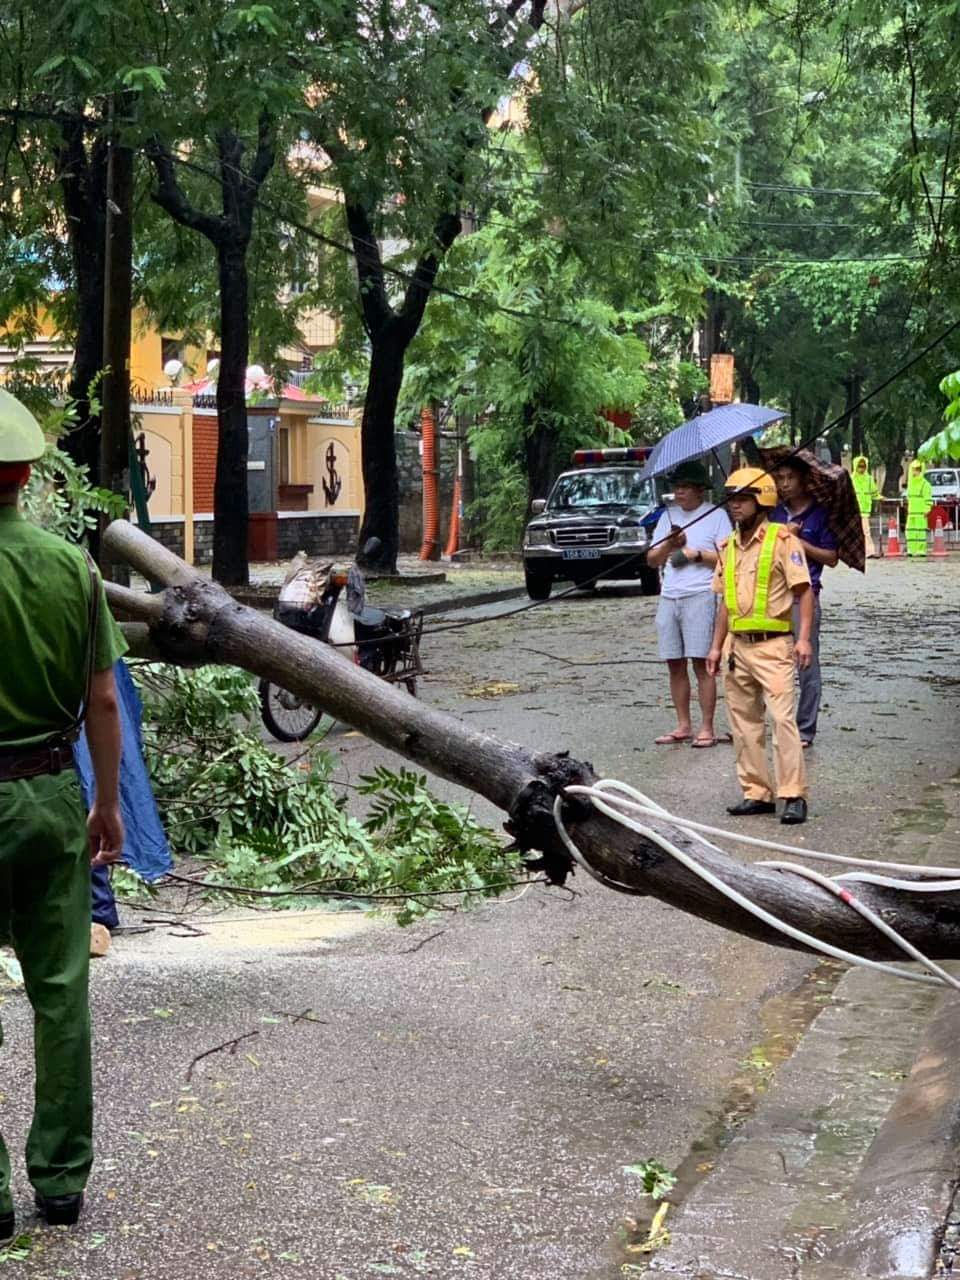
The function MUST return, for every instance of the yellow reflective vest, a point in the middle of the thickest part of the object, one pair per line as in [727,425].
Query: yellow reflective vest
[757,620]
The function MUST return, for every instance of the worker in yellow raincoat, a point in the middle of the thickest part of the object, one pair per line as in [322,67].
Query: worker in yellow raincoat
[919,502]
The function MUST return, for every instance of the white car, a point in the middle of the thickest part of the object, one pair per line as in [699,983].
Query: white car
[945,483]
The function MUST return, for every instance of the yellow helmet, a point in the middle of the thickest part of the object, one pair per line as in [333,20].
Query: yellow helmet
[21,439]
[754,481]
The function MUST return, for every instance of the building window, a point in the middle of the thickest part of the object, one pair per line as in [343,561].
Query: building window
[170,349]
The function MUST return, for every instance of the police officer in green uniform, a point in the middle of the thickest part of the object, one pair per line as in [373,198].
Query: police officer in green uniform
[59,644]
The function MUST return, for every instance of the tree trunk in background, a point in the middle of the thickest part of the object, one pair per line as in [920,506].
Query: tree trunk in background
[540,450]
[378,447]
[892,458]
[83,181]
[230,501]
[856,420]
[117,327]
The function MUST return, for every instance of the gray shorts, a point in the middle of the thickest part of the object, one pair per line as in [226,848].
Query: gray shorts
[685,625]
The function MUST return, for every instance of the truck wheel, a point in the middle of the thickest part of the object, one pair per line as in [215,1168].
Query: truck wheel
[650,582]
[538,585]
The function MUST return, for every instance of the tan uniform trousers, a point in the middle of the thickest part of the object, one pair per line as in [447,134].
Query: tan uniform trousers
[764,673]
[870,551]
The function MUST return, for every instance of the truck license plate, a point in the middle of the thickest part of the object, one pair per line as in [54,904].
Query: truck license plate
[581,553]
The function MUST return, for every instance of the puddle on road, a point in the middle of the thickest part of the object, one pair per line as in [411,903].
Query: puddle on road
[784,1020]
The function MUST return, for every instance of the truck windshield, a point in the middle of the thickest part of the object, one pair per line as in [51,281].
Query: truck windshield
[583,490]
[942,479]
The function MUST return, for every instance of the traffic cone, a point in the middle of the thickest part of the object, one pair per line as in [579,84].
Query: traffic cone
[893,540]
[939,541]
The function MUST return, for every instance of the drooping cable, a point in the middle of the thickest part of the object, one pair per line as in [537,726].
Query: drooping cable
[625,805]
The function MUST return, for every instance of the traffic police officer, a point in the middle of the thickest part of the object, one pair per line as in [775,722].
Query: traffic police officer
[59,645]
[760,572]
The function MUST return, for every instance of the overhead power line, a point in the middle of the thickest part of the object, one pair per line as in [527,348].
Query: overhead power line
[824,191]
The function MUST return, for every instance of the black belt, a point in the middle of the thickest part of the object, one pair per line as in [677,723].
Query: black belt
[753,637]
[33,762]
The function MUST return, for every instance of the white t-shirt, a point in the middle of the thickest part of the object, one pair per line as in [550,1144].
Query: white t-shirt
[706,535]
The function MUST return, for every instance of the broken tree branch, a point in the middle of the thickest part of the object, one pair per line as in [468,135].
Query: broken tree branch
[201,623]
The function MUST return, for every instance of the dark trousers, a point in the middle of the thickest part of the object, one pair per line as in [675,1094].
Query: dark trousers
[103,903]
[809,684]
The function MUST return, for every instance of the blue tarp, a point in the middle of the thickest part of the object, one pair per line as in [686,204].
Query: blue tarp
[145,849]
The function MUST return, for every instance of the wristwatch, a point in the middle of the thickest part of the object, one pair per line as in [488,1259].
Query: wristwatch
[699,556]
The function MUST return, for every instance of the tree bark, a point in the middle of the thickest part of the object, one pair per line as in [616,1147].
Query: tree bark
[892,458]
[196,621]
[540,455]
[117,328]
[83,182]
[230,493]
[230,234]
[378,448]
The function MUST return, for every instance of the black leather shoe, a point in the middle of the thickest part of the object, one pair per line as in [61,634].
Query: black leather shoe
[794,812]
[8,1226]
[60,1211]
[748,808]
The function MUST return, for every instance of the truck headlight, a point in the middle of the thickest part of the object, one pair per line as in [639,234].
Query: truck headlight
[632,534]
[537,538]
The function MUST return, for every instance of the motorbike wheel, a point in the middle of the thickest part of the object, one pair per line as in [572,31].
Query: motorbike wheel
[287,717]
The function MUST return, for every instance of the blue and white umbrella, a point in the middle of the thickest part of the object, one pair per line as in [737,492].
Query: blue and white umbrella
[716,427]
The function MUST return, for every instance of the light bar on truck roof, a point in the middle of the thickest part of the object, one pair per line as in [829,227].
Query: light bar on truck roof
[591,457]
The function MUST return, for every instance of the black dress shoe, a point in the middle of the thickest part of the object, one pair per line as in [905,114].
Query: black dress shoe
[8,1226]
[794,812]
[748,808]
[60,1211]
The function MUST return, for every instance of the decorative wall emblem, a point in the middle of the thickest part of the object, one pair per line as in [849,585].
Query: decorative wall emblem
[332,483]
[143,453]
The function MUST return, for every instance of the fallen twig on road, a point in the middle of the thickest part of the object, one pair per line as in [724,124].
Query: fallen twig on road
[408,951]
[230,1045]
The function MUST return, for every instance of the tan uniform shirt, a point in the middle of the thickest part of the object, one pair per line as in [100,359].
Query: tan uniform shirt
[789,570]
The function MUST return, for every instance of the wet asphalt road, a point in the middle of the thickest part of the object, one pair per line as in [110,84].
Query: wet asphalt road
[465,1103]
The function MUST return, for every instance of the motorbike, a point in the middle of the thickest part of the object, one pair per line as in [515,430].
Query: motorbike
[328,603]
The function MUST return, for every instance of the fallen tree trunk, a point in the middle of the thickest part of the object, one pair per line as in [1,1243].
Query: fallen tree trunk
[195,621]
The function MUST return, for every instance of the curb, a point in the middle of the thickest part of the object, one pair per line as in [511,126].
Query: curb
[842,1172]
[903,1193]
[266,600]
[471,602]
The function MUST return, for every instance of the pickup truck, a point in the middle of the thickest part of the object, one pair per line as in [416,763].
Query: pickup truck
[597,522]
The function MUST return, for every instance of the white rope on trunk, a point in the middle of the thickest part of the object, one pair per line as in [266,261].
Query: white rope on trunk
[628,806]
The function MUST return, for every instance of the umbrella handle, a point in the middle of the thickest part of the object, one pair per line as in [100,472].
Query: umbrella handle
[716,458]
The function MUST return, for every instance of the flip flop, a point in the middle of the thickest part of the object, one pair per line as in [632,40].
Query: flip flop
[666,739]
[700,744]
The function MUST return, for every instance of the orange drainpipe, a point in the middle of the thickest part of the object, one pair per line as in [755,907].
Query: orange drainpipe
[453,538]
[430,550]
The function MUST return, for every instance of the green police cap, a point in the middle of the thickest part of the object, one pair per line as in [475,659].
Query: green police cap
[691,473]
[21,439]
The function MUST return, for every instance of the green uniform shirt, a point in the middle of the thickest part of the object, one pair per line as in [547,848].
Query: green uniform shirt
[44,625]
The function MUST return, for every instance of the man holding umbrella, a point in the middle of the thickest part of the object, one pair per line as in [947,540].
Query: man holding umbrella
[685,545]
